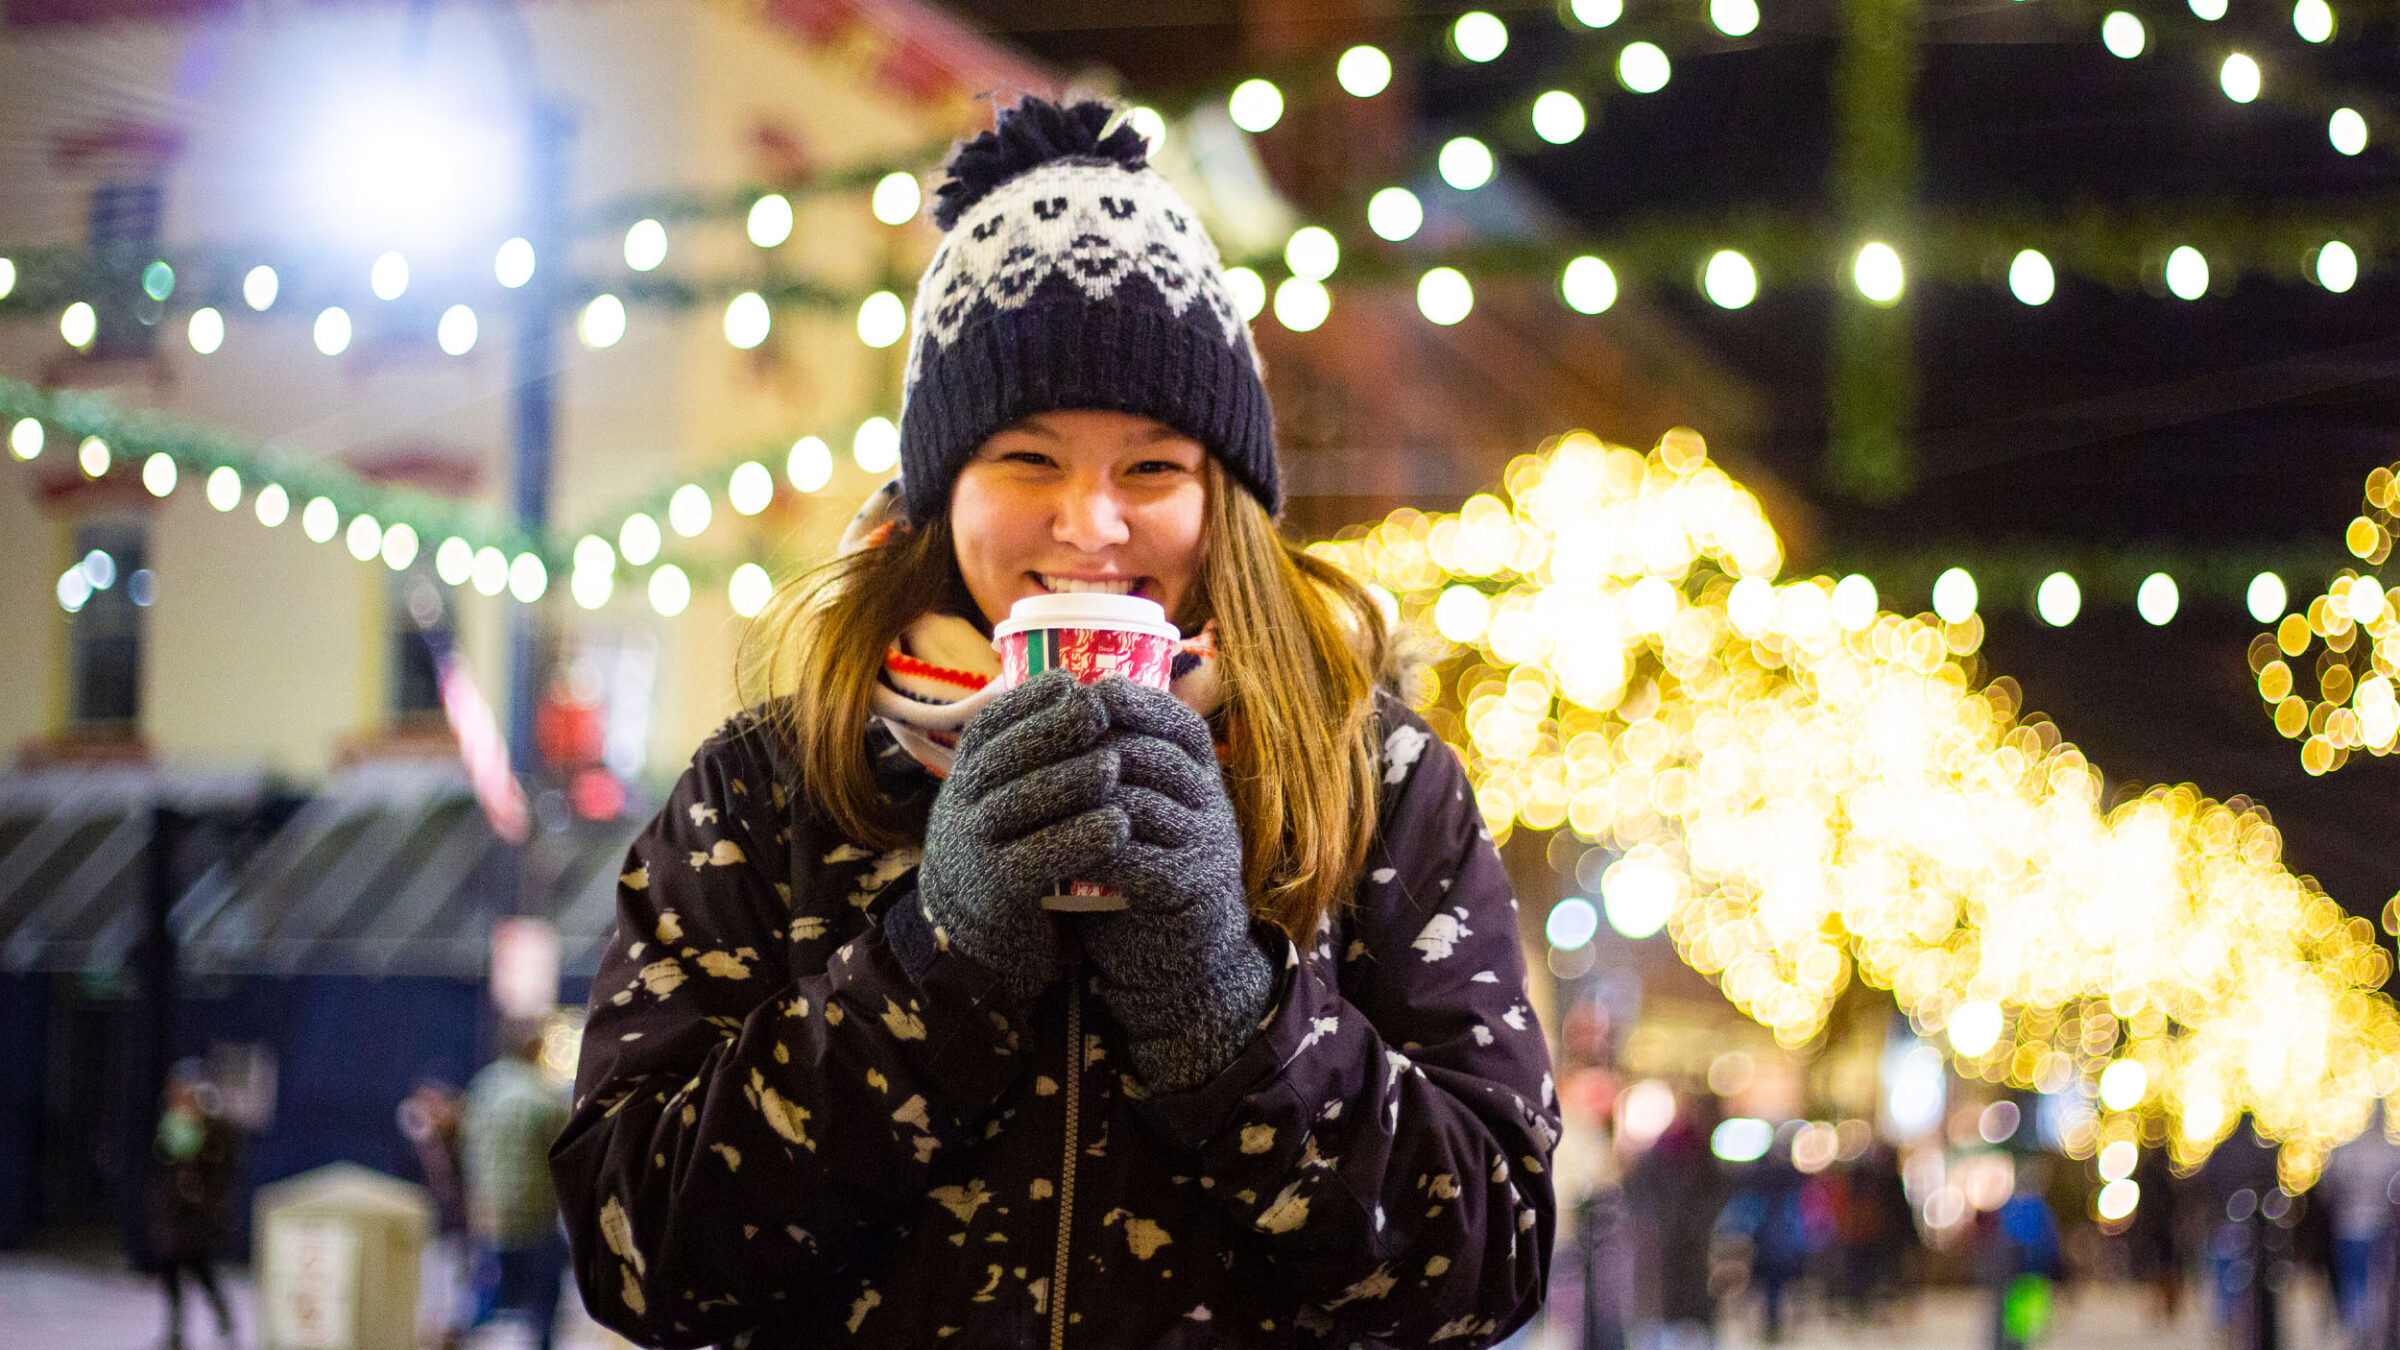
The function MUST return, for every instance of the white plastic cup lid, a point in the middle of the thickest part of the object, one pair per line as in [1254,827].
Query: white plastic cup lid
[1087,609]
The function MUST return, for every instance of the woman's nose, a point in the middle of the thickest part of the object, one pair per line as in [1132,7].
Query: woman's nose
[1090,517]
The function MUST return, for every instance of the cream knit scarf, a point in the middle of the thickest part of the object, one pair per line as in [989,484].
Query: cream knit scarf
[940,671]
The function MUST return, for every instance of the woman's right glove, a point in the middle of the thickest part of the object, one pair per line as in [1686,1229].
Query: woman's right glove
[1026,806]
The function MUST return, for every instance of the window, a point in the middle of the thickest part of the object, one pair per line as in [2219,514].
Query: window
[122,232]
[420,621]
[105,631]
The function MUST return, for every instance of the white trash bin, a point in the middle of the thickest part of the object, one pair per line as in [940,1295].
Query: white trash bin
[337,1253]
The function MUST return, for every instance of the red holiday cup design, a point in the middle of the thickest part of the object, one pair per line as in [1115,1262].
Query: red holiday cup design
[1090,636]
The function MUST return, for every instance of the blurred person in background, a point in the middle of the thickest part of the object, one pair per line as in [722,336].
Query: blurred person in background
[429,1119]
[198,1153]
[1874,1229]
[1674,1192]
[2358,1191]
[849,1079]
[2154,1234]
[2019,1256]
[1789,1218]
[514,1112]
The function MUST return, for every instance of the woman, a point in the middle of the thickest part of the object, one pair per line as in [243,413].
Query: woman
[846,1081]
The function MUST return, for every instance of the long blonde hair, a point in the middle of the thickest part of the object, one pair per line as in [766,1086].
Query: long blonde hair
[1300,646]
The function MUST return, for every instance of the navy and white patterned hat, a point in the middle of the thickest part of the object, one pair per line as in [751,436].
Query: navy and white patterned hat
[1071,275]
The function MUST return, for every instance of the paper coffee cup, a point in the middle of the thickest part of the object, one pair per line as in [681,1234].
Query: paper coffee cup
[1088,636]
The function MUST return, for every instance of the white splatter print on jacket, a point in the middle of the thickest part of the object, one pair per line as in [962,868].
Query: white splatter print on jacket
[799,1123]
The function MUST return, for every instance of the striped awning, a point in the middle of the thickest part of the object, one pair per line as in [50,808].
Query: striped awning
[388,869]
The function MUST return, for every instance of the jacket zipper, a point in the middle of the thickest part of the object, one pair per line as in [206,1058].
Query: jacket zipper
[1066,1181]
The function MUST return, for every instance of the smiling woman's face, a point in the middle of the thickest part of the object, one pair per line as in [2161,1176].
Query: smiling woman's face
[1080,501]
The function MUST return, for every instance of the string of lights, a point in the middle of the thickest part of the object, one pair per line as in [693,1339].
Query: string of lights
[1801,788]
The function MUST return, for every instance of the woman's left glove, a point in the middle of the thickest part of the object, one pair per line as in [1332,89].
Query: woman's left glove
[1177,964]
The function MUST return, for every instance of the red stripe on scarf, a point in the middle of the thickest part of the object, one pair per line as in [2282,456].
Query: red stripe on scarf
[901,663]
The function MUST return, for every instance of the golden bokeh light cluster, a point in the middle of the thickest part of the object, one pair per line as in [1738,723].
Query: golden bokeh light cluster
[1809,788]
[2341,699]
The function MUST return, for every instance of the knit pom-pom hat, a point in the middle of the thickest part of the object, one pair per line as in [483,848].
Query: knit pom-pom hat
[1071,275]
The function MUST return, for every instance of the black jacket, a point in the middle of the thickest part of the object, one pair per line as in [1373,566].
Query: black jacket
[801,1123]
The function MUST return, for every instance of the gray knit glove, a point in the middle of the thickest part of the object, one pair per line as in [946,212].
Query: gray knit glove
[1026,805]
[1177,965]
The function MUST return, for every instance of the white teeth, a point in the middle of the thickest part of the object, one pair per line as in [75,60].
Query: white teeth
[1070,586]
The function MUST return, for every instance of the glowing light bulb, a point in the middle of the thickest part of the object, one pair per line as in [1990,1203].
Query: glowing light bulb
[747,320]
[2157,599]
[1878,274]
[2266,597]
[1954,596]
[1465,163]
[2337,267]
[1444,295]
[1479,36]
[2347,130]
[2239,78]
[2058,600]
[223,488]
[1588,285]
[751,489]
[689,510]
[1394,213]
[1301,304]
[638,539]
[1247,290]
[1558,117]
[1728,280]
[457,330]
[332,331]
[882,320]
[1734,18]
[206,330]
[2031,279]
[875,446]
[2187,273]
[897,197]
[770,221]
[259,286]
[810,465]
[1643,68]
[749,590]
[1312,252]
[1255,105]
[602,324]
[2123,35]
[1363,72]
[512,263]
[670,590]
[158,474]
[388,278]
[645,245]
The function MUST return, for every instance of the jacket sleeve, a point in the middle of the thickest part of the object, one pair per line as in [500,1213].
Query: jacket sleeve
[739,1129]
[1387,1136]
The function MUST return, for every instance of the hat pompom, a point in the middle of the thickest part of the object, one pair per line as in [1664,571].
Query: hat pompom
[1034,133]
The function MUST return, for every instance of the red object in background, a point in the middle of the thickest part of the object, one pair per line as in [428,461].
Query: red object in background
[569,734]
[596,795]
[483,749]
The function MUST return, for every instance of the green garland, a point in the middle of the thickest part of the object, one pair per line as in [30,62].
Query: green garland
[133,435]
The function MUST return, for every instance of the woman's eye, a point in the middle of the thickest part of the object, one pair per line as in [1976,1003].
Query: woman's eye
[1155,466]
[1031,457]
